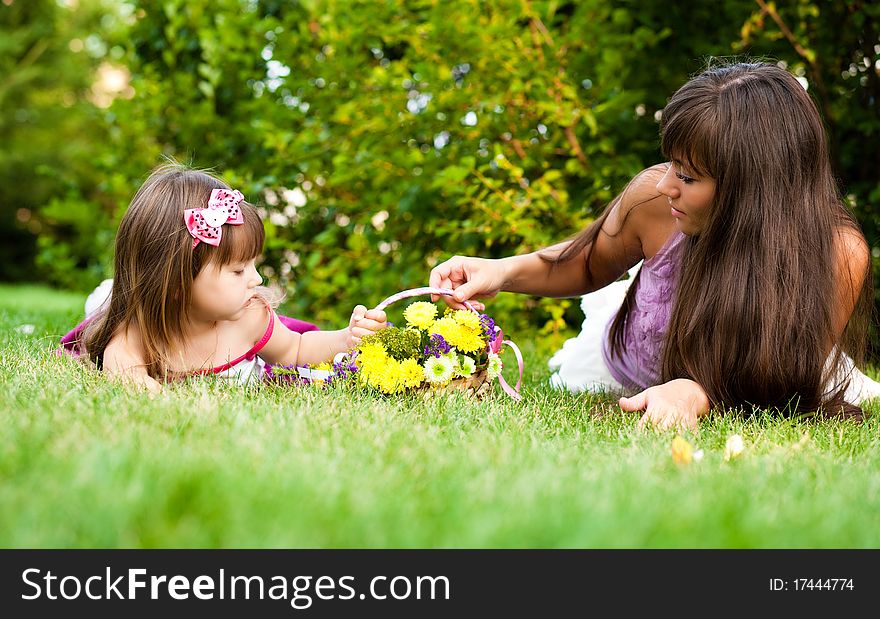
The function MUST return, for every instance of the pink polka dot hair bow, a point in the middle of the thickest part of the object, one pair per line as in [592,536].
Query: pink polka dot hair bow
[205,224]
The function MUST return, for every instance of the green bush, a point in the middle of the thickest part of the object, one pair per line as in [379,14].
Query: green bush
[383,137]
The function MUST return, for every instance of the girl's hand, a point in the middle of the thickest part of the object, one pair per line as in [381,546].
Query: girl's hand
[364,322]
[471,278]
[676,404]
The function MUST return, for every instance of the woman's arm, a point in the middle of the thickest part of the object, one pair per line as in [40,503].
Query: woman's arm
[680,403]
[677,404]
[853,260]
[621,243]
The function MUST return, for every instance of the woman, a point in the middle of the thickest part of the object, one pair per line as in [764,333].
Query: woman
[755,284]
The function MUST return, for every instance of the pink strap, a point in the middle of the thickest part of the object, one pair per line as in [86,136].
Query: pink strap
[418,292]
[249,355]
[513,392]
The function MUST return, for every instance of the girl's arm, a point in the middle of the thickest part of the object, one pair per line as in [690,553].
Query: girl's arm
[626,234]
[286,347]
[123,359]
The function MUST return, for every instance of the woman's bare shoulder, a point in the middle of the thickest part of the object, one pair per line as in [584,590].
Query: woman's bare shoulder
[852,265]
[853,256]
[644,212]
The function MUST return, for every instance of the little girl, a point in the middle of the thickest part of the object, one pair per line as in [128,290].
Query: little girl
[186,296]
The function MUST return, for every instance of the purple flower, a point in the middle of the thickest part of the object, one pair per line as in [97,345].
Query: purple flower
[285,374]
[437,346]
[289,374]
[488,327]
[343,370]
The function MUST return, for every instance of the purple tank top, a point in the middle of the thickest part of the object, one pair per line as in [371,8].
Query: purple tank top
[639,365]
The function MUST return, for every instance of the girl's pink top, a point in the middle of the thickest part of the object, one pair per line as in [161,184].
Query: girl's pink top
[247,358]
[242,368]
[645,331]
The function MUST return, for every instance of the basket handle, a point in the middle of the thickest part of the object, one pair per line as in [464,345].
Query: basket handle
[418,292]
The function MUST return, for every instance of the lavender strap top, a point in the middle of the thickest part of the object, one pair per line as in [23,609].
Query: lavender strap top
[639,366]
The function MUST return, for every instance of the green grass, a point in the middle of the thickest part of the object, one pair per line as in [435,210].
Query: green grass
[85,462]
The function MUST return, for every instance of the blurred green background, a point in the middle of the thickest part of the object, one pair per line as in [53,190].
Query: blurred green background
[382,137]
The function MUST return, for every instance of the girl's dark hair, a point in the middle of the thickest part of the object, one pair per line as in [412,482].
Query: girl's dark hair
[753,321]
[155,263]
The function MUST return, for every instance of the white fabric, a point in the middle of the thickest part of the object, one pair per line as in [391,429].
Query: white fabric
[861,387]
[245,371]
[99,296]
[578,365]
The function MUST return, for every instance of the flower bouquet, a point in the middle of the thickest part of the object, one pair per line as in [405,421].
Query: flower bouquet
[456,351]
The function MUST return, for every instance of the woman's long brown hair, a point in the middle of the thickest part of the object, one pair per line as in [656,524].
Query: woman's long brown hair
[155,264]
[753,319]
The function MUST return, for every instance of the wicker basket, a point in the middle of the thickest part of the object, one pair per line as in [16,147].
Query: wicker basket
[478,384]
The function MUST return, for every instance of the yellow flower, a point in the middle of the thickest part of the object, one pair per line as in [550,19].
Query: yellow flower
[469,319]
[388,379]
[682,452]
[372,360]
[447,327]
[460,337]
[411,373]
[469,340]
[371,353]
[420,314]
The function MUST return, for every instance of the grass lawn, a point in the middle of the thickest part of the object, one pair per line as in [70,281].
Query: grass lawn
[87,463]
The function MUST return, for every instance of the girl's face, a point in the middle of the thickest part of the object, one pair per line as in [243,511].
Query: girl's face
[224,292]
[689,197]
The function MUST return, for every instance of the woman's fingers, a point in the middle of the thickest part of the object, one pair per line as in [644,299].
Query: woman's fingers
[637,402]
[469,278]
[442,275]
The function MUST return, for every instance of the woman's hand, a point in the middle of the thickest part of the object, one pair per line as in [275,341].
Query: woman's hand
[470,278]
[676,404]
[364,322]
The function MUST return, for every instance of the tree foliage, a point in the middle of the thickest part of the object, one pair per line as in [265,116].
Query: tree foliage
[382,137]
[47,61]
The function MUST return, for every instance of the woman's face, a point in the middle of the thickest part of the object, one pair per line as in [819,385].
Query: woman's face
[689,196]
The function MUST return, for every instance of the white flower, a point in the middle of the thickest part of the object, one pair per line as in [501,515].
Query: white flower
[439,370]
[466,366]
[734,447]
[493,369]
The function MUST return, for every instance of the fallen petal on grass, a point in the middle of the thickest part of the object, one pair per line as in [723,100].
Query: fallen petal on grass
[733,448]
[682,451]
